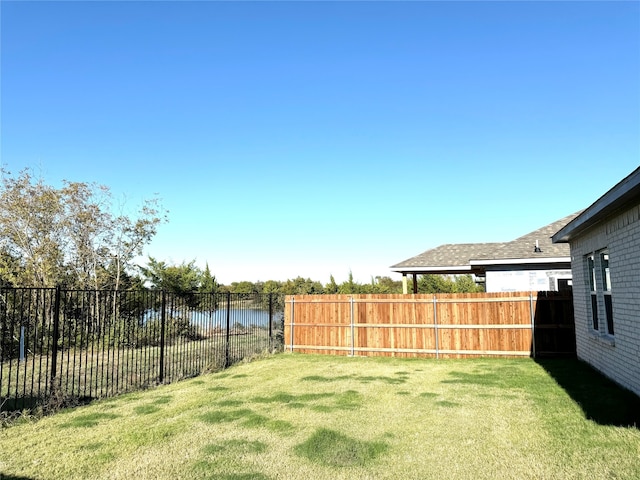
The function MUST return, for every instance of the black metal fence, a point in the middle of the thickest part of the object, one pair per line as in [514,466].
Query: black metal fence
[75,345]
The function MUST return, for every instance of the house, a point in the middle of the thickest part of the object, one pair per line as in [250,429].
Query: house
[530,262]
[605,260]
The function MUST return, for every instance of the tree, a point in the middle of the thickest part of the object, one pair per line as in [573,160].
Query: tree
[31,231]
[87,226]
[435,284]
[332,286]
[387,285]
[183,279]
[466,284]
[243,287]
[208,283]
[349,286]
[8,266]
[302,286]
[271,286]
[444,284]
[130,235]
[67,235]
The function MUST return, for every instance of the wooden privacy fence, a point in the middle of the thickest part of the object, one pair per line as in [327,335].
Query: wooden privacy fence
[442,325]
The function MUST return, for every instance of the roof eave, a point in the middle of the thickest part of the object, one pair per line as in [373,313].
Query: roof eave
[438,269]
[615,199]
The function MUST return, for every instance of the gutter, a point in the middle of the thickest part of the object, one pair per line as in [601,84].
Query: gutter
[462,268]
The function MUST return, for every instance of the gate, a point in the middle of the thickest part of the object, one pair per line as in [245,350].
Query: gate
[554,335]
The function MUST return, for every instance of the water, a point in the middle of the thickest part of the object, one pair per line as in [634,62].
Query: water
[258,318]
[218,318]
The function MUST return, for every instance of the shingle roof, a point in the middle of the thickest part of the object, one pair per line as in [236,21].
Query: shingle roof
[524,247]
[459,255]
[449,255]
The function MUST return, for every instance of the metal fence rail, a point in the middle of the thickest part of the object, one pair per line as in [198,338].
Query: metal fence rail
[85,344]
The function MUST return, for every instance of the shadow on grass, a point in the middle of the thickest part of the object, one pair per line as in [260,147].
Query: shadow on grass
[601,400]
[349,400]
[401,378]
[4,476]
[493,375]
[331,448]
[89,420]
[235,447]
[146,409]
[248,418]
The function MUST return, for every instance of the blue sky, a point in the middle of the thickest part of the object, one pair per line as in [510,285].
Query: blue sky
[318,138]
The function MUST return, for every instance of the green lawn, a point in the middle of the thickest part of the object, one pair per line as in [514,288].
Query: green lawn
[319,417]
[100,371]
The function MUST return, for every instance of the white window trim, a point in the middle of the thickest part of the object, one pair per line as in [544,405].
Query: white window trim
[594,323]
[597,281]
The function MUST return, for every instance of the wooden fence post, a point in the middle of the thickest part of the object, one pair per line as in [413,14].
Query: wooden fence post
[435,324]
[292,321]
[533,326]
[352,326]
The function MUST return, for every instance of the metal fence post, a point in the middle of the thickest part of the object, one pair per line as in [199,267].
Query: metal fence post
[22,355]
[56,336]
[270,321]
[435,324]
[226,354]
[163,322]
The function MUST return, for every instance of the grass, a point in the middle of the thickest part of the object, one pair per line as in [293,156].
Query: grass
[101,371]
[300,417]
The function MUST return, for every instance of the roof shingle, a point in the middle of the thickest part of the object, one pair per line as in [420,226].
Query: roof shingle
[458,255]
[449,255]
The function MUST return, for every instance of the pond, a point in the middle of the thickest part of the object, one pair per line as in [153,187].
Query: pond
[246,317]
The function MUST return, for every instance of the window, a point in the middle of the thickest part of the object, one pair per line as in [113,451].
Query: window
[606,289]
[591,271]
[599,277]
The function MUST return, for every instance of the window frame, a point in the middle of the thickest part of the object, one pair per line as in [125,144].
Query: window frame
[590,260]
[606,289]
[600,301]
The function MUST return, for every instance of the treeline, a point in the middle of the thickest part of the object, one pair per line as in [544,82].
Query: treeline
[378,285]
[187,277]
[78,236]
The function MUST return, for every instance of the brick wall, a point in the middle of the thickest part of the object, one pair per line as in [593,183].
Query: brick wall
[616,356]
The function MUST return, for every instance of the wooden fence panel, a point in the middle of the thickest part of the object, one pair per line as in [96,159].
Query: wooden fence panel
[443,325]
